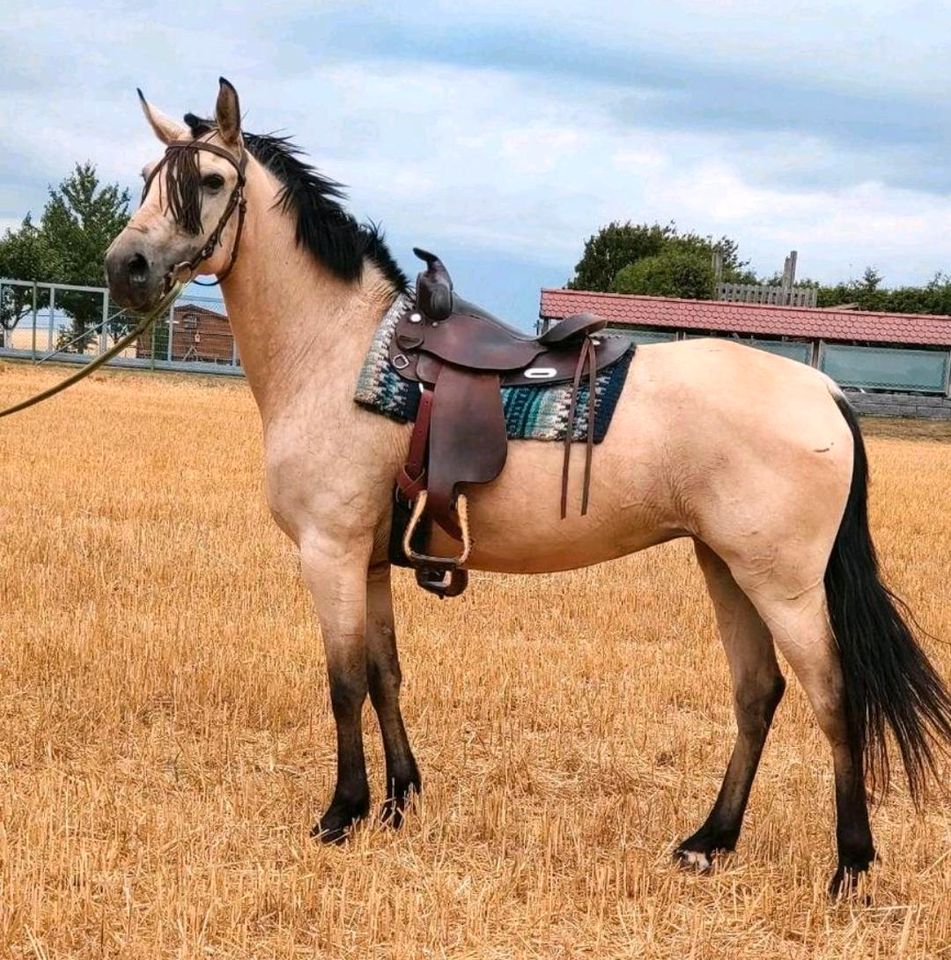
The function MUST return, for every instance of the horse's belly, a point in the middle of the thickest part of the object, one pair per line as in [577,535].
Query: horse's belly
[516,522]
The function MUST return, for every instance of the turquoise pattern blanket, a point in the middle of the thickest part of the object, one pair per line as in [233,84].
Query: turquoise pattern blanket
[531,413]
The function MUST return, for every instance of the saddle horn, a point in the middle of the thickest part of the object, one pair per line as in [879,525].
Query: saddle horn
[433,287]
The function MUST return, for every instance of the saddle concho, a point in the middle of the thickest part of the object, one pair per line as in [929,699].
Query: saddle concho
[461,356]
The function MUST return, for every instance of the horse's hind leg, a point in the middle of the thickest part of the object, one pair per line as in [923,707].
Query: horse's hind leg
[758,687]
[384,677]
[800,626]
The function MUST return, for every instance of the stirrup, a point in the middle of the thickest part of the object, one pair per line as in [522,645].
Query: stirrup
[442,582]
[439,563]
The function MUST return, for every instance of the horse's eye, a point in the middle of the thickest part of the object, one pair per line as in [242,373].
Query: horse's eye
[214,181]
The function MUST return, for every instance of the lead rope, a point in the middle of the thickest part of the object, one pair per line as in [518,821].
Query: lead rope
[236,201]
[113,351]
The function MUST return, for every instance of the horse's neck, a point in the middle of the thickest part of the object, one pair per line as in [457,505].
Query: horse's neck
[301,332]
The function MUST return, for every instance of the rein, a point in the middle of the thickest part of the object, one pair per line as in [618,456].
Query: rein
[235,201]
[115,349]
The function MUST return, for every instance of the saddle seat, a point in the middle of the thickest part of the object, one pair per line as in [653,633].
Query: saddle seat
[461,355]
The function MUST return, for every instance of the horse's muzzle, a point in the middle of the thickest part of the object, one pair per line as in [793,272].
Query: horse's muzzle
[134,281]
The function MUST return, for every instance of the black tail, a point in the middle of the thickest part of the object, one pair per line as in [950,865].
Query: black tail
[888,679]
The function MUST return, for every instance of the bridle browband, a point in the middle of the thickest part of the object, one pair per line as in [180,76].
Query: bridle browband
[235,201]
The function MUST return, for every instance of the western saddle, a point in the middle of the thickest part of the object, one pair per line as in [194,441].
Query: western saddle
[461,356]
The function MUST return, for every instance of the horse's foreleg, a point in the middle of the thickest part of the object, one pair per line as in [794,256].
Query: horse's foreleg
[337,578]
[758,687]
[384,677]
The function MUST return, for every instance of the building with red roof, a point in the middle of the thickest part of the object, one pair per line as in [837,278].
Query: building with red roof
[874,353]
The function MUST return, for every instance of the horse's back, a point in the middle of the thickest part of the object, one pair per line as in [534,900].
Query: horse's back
[709,439]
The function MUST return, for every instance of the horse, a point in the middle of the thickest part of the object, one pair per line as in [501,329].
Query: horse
[759,460]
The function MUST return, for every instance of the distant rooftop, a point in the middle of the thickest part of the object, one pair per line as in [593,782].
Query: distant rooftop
[715,316]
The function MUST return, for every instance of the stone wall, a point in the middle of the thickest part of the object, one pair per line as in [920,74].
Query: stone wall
[900,405]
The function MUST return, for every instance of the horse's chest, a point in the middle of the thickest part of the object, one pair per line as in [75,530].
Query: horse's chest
[315,486]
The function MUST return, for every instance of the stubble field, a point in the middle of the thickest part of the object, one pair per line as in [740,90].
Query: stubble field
[166,739]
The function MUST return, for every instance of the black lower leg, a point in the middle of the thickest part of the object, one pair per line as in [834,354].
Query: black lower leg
[853,833]
[402,774]
[351,799]
[721,829]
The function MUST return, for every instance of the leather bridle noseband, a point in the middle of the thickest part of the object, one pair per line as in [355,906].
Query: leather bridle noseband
[235,201]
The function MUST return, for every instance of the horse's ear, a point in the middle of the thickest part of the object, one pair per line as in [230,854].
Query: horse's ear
[165,128]
[228,113]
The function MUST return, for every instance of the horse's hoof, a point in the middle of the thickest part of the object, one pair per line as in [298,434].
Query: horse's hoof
[393,811]
[698,861]
[847,884]
[337,824]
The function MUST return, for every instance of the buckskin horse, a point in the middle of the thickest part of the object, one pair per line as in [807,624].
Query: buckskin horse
[758,459]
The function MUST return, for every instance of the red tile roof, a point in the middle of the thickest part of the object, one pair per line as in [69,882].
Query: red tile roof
[749,318]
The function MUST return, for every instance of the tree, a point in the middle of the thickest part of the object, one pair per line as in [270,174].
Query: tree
[24,255]
[79,221]
[614,247]
[675,272]
[618,245]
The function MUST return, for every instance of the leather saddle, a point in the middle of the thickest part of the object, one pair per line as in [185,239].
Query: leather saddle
[461,356]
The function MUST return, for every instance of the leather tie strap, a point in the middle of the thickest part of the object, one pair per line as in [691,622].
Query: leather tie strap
[588,356]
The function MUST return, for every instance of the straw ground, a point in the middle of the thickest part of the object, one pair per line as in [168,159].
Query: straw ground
[166,740]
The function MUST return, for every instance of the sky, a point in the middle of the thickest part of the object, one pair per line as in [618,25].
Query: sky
[502,134]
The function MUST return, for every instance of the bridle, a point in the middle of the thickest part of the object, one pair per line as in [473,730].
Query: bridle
[236,201]
[176,278]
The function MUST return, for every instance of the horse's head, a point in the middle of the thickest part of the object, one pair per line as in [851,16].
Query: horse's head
[192,209]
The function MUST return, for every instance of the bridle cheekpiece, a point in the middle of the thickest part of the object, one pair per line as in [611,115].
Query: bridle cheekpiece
[236,201]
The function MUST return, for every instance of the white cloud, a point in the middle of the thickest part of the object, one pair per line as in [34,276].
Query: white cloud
[522,163]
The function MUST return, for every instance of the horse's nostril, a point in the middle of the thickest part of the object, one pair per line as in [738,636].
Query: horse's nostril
[138,268]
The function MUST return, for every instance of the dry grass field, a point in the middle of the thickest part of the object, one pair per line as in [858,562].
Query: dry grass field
[166,740]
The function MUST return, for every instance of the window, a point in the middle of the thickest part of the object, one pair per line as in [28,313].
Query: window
[886,368]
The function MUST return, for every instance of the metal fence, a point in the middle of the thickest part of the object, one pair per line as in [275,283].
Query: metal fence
[74,324]
[867,368]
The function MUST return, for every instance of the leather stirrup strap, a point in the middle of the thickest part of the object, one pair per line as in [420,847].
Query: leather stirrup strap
[587,355]
[411,479]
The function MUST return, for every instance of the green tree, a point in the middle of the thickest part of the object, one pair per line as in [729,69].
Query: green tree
[618,245]
[80,220]
[614,247]
[24,255]
[869,294]
[676,272]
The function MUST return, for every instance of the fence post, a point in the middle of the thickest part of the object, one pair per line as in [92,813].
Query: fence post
[52,318]
[169,351]
[33,335]
[104,329]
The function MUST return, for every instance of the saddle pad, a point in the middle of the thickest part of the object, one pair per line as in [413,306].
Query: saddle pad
[531,413]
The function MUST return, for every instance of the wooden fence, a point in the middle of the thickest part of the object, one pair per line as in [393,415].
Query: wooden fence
[760,293]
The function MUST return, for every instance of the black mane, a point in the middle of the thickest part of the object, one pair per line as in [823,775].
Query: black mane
[324,227]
